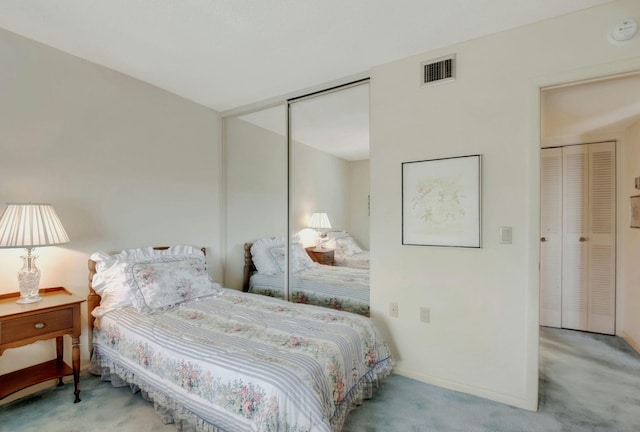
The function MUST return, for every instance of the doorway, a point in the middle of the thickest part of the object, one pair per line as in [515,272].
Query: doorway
[590,112]
[577,243]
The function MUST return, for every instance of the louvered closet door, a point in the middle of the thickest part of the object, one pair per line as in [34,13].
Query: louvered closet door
[551,237]
[601,238]
[588,246]
[575,183]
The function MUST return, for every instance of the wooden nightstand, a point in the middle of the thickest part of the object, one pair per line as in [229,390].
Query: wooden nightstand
[322,256]
[56,315]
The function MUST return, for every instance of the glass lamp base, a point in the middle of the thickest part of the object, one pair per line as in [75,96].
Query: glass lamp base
[26,300]
[29,279]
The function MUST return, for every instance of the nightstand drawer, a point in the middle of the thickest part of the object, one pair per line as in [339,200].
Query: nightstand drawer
[322,256]
[35,325]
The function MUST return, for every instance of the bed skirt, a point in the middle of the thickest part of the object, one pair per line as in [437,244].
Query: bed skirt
[186,421]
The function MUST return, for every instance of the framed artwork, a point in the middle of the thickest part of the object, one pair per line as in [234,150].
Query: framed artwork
[634,217]
[441,202]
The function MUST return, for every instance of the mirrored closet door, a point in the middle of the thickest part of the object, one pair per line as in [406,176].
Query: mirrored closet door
[329,198]
[297,199]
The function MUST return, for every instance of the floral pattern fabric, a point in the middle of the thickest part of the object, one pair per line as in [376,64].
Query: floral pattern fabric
[314,298]
[245,362]
[340,288]
[157,285]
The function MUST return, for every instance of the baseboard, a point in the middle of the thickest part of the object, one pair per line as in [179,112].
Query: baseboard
[629,340]
[472,390]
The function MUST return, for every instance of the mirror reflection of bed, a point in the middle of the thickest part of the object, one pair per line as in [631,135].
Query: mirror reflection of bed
[338,287]
[322,167]
[329,175]
[346,250]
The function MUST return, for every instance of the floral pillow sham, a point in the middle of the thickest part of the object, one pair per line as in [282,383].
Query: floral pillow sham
[343,246]
[110,280]
[347,246]
[158,285]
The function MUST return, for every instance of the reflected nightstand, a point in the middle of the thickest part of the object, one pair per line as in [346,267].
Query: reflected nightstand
[322,256]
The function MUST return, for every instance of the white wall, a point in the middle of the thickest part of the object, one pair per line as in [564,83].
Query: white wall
[359,190]
[319,183]
[125,165]
[631,248]
[483,335]
[256,189]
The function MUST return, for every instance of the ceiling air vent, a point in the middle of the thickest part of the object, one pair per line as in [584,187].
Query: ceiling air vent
[439,70]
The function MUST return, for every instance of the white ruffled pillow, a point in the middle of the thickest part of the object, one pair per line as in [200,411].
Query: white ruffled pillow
[263,257]
[110,280]
[300,259]
[268,255]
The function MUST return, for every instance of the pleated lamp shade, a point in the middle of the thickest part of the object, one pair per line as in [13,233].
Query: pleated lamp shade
[29,225]
[319,221]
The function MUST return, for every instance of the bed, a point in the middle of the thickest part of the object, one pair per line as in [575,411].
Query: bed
[347,251]
[340,288]
[215,359]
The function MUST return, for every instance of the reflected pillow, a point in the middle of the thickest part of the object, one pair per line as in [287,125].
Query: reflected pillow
[262,256]
[337,234]
[328,243]
[347,246]
[300,259]
[160,284]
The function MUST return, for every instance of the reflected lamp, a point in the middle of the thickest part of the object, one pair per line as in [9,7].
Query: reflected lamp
[319,221]
[28,225]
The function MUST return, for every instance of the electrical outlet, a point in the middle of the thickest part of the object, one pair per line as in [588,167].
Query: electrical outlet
[393,310]
[425,314]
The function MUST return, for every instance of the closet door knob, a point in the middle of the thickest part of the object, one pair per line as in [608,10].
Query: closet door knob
[583,239]
[543,239]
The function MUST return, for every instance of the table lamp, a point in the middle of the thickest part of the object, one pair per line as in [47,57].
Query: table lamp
[319,221]
[29,225]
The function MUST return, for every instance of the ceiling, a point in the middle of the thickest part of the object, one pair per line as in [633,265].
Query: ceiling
[336,122]
[226,54]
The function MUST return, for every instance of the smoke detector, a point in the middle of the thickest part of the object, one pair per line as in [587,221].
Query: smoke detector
[623,32]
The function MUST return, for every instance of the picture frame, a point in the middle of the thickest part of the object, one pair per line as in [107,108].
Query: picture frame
[634,211]
[442,202]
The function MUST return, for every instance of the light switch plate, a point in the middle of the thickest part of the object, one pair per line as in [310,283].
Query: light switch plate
[505,235]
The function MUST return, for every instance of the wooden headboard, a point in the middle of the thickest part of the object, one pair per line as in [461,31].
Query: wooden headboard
[249,267]
[93,299]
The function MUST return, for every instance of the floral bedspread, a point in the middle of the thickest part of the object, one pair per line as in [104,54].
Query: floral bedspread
[243,362]
[361,260]
[340,288]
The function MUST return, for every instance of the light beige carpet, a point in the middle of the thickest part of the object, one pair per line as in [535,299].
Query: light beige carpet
[588,383]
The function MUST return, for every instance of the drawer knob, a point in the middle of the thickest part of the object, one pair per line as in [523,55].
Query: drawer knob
[39,325]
